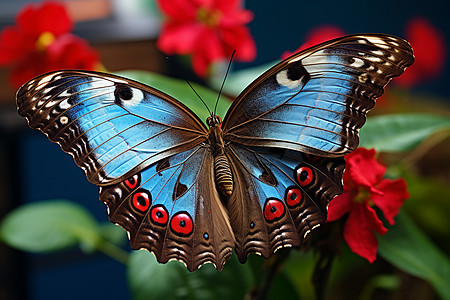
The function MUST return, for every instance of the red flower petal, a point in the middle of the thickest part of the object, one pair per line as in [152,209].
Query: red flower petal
[40,43]
[228,6]
[71,52]
[13,45]
[429,51]
[358,231]
[49,16]
[236,18]
[179,10]
[363,169]
[340,205]
[316,36]
[208,49]
[321,34]
[363,185]
[27,68]
[394,194]
[209,30]
[239,39]
[66,52]
[169,40]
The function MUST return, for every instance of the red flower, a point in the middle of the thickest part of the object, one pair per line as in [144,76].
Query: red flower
[41,42]
[209,30]
[364,187]
[316,36]
[429,50]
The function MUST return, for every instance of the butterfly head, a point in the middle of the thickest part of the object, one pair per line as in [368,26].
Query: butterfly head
[214,121]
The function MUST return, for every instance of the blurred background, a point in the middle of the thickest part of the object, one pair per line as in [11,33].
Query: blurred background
[124,34]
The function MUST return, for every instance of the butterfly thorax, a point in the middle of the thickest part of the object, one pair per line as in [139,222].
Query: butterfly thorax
[222,171]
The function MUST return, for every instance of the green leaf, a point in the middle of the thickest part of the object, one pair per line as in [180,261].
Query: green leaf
[406,247]
[49,226]
[300,267]
[113,233]
[150,280]
[237,81]
[283,287]
[181,91]
[432,218]
[382,281]
[400,132]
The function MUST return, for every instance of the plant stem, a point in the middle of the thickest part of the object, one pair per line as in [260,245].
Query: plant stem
[272,268]
[113,251]
[425,147]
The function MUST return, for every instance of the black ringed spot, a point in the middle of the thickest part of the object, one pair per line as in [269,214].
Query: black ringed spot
[159,214]
[294,73]
[141,200]
[133,181]
[304,175]
[294,196]
[182,224]
[123,92]
[273,210]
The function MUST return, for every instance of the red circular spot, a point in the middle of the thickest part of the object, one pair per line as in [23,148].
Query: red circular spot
[304,176]
[294,197]
[273,210]
[159,215]
[141,201]
[132,182]
[182,224]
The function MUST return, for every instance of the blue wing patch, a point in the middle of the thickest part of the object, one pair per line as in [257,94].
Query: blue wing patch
[316,100]
[111,126]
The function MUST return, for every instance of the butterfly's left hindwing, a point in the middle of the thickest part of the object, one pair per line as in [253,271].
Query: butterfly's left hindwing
[110,125]
[172,209]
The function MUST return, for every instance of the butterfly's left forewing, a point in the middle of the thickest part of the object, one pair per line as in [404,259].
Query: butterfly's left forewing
[111,126]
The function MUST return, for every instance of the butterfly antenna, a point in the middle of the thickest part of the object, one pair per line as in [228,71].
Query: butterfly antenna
[199,97]
[192,88]
[223,82]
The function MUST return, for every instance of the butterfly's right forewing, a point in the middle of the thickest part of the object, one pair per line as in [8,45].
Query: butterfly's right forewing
[316,100]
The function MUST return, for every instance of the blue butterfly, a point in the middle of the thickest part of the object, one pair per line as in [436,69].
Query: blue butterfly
[258,181]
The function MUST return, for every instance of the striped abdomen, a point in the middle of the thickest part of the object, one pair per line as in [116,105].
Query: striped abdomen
[224,178]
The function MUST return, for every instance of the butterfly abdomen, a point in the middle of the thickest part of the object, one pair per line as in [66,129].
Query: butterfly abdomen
[224,177]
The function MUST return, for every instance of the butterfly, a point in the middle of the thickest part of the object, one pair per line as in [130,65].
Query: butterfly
[255,182]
